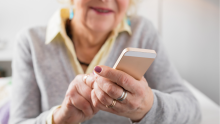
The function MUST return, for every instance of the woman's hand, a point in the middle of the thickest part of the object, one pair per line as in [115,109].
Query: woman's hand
[109,84]
[77,105]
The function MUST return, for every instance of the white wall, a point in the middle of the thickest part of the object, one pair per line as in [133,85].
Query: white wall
[16,14]
[150,10]
[191,34]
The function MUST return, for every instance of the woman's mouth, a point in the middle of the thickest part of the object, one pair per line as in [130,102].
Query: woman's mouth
[101,10]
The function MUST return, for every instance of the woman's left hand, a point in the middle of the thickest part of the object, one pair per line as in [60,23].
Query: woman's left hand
[108,86]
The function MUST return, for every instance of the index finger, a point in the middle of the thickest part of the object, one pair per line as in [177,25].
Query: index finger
[121,78]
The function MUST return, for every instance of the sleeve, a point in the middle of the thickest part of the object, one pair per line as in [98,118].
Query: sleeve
[50,116]
[173,102]
[25,104]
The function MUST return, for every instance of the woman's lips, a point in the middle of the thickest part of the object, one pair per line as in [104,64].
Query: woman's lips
[99,10]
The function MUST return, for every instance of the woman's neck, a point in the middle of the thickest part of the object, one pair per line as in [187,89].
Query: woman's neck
[83,37]
[86,43]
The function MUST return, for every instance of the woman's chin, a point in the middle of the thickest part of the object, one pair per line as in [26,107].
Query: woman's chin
[101,28]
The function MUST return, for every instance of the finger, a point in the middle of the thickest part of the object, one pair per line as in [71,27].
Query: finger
[80,102]
[68,110]
[82,88]
[105,99]
[90,80]
[99,105]
[102,96]
[95,101]
[118,109]
[112,89]
[85,90]
[117,76]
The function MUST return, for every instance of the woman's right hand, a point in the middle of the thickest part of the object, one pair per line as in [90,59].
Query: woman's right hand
[77,105]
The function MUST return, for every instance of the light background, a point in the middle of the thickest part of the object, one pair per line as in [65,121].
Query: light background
[189,30]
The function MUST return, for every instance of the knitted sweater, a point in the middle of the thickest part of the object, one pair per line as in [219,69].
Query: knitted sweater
[42,74]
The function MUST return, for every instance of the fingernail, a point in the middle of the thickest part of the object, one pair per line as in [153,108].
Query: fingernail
[98,69]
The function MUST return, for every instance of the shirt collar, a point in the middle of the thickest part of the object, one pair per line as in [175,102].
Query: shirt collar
[57,22]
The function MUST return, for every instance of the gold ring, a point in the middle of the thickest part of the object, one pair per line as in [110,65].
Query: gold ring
[112,105]
[85,77]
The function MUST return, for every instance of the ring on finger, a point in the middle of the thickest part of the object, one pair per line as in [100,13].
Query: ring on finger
[123,96]
[112,105]
[85,77]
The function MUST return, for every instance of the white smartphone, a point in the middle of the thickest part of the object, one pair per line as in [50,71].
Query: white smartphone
[135,61]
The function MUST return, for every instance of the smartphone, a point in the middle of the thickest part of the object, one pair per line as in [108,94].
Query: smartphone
[135,61]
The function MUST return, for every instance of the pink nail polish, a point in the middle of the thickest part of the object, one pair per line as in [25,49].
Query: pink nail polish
[98,69]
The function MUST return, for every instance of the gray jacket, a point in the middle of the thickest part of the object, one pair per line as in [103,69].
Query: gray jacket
[42,73]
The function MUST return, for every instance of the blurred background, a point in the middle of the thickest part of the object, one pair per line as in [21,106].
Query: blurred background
[188,28]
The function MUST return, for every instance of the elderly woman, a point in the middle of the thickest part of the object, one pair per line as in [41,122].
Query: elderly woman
[50,64]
